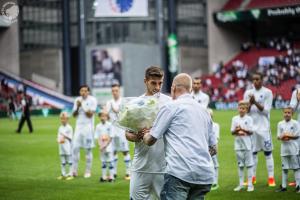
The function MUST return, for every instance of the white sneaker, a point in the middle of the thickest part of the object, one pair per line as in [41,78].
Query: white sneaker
[250,189]
[238,188]
[87,175]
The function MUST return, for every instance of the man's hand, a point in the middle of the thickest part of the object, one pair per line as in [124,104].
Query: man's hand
[212,150]
[78,103]
[89,114]
[298,95]
[252,99]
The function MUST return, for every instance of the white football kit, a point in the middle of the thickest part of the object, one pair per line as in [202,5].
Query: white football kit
[261,139]
[201,98]
[103,132]
[65,132]
[148,166]
[243,144]
[289,149]
[119,142]
[295,104]
[84,130]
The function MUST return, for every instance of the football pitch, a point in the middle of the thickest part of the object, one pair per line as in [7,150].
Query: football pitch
[29,165]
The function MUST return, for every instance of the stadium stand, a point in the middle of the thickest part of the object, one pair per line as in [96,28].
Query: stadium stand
[11,86]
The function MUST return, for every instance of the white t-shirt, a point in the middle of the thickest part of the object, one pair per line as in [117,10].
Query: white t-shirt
[261,119]
[66,132]
[150,159]
[242,142]
[216,130]
[291,147]
[294,103]
[103,131]
[88,104]
[201,98]
[185,126]
[112,105]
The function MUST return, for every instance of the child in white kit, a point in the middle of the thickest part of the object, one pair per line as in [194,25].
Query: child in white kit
[241,128]
[216,130]
[104,135]
[64,139]
[288,131]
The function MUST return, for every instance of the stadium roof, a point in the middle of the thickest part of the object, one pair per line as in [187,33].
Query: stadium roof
[255,10]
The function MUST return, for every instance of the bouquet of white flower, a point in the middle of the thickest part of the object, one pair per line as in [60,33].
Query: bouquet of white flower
[137,113]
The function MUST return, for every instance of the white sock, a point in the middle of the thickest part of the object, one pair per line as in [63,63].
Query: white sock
[63,165]
[270,165]
[127,163]
[69,161]
[216,175]
[89,160]
[241,175]
[115,163]
[103,170]
[250,175]
[284,177]
[111,170]
[255,159]
[297,177]
[76,157]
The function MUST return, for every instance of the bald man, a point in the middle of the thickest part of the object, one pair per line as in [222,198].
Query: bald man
[186,128]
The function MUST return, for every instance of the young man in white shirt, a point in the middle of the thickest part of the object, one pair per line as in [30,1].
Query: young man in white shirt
[84,108]
[148,165]
[288,131]
[186,128]
[119,141]
[198,95]
[241,128]
[260,99]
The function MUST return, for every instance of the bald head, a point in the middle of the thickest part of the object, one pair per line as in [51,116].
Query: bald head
[183,80]
[182,83]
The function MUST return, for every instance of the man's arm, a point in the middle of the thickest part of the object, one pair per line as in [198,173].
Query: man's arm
[254,102]
[77,105]
[149,139]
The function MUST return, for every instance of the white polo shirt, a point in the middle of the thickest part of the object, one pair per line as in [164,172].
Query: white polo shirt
[201,98]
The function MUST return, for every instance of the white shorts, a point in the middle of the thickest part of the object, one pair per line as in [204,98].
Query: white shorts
[83,137]
[120,143]
[145,186]
[215,161]
[262,142]
[244,158]
[290,162]
[107,157]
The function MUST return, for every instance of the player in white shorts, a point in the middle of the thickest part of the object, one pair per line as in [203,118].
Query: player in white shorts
[288,131]
[198,95]
[104,136]
[295,104]
[241,128]
[64,138]
[216,131]
[84,109]
[148,165]
[260,99]
[119,141]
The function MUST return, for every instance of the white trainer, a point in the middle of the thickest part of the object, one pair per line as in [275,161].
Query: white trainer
[238,188]
[87,175]
[250,188]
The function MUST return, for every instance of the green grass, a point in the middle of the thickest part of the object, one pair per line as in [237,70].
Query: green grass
[29,165]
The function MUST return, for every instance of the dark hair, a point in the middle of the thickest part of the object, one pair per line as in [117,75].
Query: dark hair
[154,71]
[259,74]
[115,85]
[84,86]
